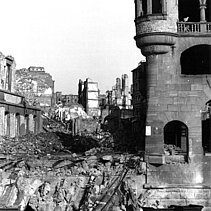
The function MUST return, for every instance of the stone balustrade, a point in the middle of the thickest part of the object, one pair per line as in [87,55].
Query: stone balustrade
[194,27]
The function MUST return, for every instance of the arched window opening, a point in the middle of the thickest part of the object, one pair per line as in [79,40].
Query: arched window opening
[27,123]
[206,128]
[189,10]
[196,60]
[17,124]
[176,137]
[7,123]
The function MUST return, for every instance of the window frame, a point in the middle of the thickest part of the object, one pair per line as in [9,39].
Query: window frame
[149,13]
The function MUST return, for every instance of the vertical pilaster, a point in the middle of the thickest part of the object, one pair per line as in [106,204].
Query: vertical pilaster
[31,123]
[22,125]
[2,123]
[12,125]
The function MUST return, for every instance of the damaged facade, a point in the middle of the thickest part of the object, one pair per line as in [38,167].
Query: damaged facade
[88,96]
[36,85]
[175,37]
[120,94]
[66,100]
[16,117]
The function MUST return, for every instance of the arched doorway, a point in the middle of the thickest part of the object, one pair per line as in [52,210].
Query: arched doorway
[176,135]
[196,60]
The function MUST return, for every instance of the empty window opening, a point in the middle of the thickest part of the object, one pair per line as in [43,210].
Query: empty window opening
[7,123]
[196,60]
[156,6]
[208,11]
[150,7]
[176,137]
[17,124]
[206,128]
[27,123]
[189,10]
[35,124]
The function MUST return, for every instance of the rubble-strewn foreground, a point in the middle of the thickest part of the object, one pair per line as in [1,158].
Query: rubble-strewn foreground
[55,171]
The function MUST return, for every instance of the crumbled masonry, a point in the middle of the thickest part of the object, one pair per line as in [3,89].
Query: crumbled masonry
[55,171]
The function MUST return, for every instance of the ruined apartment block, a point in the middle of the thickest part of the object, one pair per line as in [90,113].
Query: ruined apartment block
[88,97]
[16,118]
[36,85]
[120,95]
[175,38]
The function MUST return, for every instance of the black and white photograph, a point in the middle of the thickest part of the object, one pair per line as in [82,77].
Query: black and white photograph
[105,105]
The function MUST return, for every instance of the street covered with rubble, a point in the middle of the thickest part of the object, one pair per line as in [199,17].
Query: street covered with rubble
[54,170]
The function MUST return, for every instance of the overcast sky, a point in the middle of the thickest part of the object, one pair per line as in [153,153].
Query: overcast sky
[71,39]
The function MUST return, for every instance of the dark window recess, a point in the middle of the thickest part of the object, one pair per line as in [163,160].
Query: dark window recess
[144,7]
[208,11]
[176,135]
[156,6]
[206,130]
[196,60]
[190,9]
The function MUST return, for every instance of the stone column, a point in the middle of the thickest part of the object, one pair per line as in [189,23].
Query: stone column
[139,9]
[202,10]
[149,6]
[22,125]
[2,123]
[12,125]
[31,123]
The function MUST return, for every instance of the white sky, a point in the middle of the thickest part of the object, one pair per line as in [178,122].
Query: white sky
[71,39]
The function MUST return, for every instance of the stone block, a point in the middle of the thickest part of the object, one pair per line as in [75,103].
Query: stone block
[173,107]
[156,159]
[166,100]
[179,100]
[202,194]
[185,107]
[162,107]
[196,87]
[173,93]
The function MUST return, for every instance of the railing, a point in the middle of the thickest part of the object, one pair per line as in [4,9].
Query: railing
[194,27]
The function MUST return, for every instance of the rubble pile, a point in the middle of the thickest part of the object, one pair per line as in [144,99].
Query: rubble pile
[28,145]
[51,125]
[57,171]
[70,182]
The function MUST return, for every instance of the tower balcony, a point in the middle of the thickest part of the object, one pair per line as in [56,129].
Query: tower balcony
[191,28]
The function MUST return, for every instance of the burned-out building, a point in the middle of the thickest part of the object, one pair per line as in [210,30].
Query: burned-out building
[36,85]
[66,99]
[16,116]
[88,96]
[175,38]
[120,94]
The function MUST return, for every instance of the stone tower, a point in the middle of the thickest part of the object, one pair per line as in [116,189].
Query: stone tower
[175,38]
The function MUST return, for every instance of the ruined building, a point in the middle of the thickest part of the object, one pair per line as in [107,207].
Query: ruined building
[16,117]
[175,38]
[88,97]
[66,100]
[36,85]
[120,94]
[138,102]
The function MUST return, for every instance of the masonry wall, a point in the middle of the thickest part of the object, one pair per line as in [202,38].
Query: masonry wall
[173,96]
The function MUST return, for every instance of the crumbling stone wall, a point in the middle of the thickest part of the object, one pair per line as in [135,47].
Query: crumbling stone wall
[71,183]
